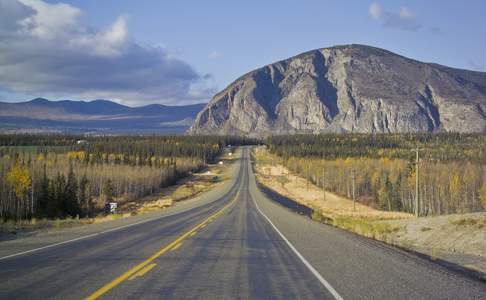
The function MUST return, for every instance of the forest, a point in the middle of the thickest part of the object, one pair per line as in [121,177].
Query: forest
[56,176]
[383,168]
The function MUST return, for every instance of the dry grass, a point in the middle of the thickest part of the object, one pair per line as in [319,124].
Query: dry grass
[329,208]
[189,187]
[362,226]
[480,223]
[13,227]
[281,180]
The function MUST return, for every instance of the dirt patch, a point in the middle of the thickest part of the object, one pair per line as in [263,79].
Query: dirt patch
[290,185]
[460,238]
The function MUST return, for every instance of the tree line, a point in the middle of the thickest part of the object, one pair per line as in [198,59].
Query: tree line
[452,169]
[58,176]
[440,147]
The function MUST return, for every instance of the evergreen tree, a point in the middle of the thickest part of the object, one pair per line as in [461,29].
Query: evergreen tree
[70,201]
[108,191]
[57,190]
[83,195]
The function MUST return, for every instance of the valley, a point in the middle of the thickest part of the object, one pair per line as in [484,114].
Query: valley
[242,150]
[98,117]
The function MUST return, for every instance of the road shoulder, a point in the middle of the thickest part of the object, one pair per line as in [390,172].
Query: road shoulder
[457,241]
[46,238]
[345,259]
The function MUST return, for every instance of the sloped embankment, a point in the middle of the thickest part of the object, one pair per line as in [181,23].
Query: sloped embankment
[457,240]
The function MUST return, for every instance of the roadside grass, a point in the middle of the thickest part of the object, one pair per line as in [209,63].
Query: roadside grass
[367,227]
[480,223]
[362,226]
[23,226]
[335,210]
[179,192]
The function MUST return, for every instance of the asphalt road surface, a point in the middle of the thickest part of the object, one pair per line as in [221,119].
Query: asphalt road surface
[233,243]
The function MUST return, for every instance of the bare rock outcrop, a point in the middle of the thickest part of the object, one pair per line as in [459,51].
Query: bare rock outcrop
[352,88]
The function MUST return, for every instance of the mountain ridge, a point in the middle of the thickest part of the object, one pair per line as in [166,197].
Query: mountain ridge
[347,88]
[96,116]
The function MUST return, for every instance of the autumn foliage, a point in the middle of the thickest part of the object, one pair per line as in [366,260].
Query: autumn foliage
[452,169]
[54,176]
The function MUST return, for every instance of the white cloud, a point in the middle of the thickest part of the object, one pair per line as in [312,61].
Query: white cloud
[405,19]
[46,51]
[49,20]
[109,42]
[375,10]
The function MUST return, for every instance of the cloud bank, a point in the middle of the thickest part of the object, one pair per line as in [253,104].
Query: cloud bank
[404,19]
[46,51]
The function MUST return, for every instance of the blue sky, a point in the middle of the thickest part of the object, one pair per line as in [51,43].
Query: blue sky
[178,52]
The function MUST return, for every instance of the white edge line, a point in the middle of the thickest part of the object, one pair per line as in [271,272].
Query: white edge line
[98,233]
[87,236]
[90,235]
[301,257]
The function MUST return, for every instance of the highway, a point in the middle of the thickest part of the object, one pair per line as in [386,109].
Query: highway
[234,243]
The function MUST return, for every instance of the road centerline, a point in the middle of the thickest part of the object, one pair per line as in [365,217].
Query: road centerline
[90,235]
[177,246]
[143,271]
[131,272]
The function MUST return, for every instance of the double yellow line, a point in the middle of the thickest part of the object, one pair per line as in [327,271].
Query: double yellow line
[148,262]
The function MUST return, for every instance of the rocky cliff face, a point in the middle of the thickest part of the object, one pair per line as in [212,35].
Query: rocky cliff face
[352,88]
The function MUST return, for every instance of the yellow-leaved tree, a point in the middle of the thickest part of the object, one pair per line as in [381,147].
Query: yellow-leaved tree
[482,194]
[456,189]
[19,179]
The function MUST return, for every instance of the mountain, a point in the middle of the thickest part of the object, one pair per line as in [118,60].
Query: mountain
[98,116]
[351,88]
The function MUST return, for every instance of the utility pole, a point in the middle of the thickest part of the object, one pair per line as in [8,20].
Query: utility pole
[308,178]
[323,184]
[417,181]
[354,195]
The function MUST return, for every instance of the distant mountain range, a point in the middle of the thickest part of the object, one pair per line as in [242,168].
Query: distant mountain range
[350,88]
[98,116]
